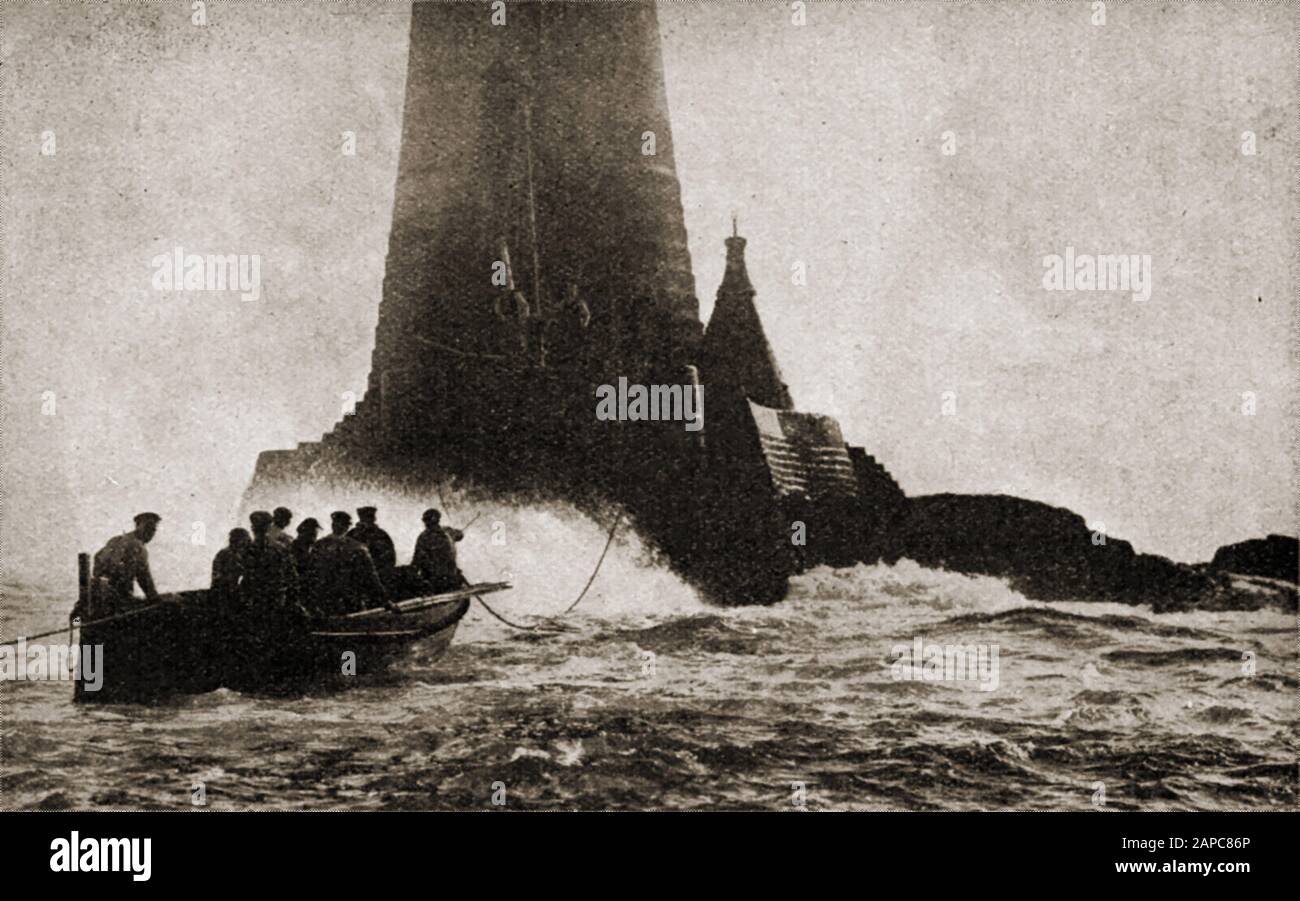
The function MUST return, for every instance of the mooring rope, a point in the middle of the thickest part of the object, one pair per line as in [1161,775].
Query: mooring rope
[107,619]
[521,628]
[608,541]
[613,530]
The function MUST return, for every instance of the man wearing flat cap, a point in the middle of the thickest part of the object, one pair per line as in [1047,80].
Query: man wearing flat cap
[343,577]
[120,565]
[377,542]
[435,554]
[270,585]
[228,567]
[308,530]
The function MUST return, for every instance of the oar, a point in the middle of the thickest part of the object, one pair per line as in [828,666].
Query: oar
[431,599]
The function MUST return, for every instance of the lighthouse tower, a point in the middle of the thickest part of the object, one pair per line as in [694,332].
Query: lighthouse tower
[546,127]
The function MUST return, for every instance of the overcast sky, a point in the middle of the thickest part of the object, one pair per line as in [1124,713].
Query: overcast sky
[924,270]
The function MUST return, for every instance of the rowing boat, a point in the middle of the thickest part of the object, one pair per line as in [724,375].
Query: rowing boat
[190,644]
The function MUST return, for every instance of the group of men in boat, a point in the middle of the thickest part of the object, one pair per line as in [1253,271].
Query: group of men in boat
[265,570]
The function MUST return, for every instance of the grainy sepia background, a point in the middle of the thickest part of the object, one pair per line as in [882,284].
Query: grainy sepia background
[917,160]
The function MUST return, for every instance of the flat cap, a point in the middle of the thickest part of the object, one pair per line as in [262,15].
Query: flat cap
[147,517]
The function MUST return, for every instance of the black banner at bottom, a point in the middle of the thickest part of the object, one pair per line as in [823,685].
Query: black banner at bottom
[339,851]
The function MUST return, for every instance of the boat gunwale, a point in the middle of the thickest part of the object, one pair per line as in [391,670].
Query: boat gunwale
[451,619]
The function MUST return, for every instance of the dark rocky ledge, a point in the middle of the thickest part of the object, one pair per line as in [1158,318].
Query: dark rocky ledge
[1274,557]
[1049,553]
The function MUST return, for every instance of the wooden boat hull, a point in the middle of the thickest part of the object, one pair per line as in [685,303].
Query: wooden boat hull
[193,646]
[338,650]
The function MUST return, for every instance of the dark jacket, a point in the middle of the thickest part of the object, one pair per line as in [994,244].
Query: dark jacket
[119,565]
[270,577]
[301,549]
[380,547]
[227,571]
[343,577]
[435,558]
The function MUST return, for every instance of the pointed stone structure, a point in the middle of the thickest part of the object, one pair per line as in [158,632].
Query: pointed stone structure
[735,341]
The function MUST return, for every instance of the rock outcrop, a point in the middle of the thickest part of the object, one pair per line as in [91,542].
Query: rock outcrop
[1049,553]
[1274,557]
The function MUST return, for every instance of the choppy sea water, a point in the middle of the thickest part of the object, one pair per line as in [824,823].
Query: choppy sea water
[652,699]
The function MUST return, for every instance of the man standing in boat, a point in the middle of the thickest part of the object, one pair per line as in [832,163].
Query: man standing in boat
[343,576]
[120,565]
[435,554]
[270,585]
[308,529]
[228,567]
[377,542]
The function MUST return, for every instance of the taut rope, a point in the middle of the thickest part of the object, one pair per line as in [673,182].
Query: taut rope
[96,622]
[613,530]
[608,541]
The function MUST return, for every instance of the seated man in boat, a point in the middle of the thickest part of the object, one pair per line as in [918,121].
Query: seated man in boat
[377,542]
[435,554]
[270,586]
[120,565]
[343,575]
[228,566]
[308,529]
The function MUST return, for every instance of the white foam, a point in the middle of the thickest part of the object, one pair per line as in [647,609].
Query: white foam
[909,582]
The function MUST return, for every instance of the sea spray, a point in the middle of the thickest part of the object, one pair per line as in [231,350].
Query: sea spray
[908,581]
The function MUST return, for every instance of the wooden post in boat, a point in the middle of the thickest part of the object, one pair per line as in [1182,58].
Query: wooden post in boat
[83,604]
[83,582]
